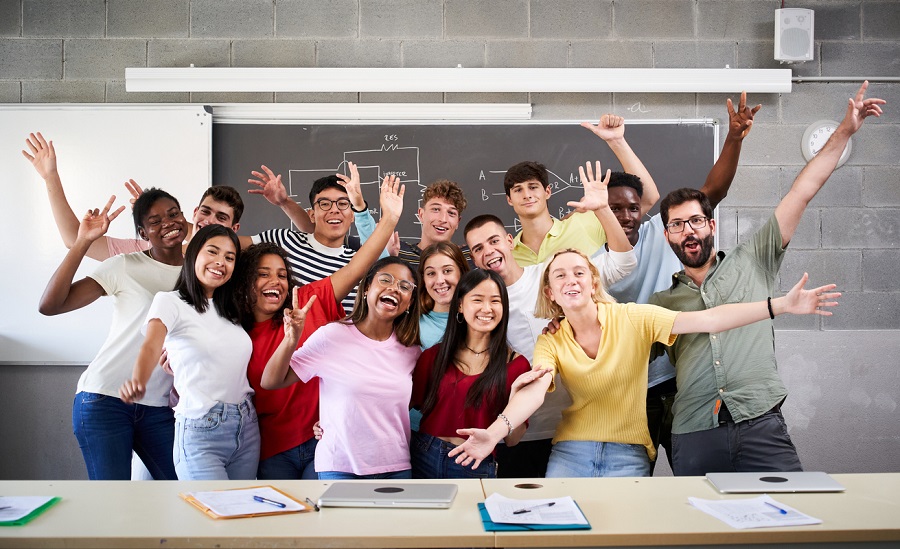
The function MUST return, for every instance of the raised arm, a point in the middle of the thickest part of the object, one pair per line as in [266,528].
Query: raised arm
[61,294]
[734,315]
[148,358]
[611,129]
[278,372]
[719,179]
[43,158]
[596,199]
[391,197]
[817,171]
[271,187]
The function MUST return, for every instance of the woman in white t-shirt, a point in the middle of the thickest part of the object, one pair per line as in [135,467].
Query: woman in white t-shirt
[216,430]
[364,365]
[107,428]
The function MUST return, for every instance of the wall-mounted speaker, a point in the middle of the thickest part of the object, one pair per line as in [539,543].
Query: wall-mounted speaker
[794,35]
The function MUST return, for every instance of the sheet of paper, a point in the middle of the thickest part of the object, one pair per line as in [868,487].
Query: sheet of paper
[533,511]
[758,512]
[229,503]
[14,508]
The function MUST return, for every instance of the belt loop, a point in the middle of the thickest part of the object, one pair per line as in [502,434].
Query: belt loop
[224,411]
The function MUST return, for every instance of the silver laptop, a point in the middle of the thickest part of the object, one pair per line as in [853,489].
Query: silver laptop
[400,495]
[753,483]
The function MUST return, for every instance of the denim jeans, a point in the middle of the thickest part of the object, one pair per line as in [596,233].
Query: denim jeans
[108,430]
[223,444]
[298,463]
[660,399]
[340,475]
[428,456]
[585,458]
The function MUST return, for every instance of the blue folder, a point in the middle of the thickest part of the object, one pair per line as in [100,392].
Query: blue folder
[491,526]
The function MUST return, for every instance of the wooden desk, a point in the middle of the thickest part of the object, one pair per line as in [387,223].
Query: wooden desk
[655,511]
[150,514]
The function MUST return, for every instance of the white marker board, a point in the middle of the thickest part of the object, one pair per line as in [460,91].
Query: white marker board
[99,147]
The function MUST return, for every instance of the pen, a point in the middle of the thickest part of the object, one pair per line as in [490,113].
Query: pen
[314,506]
[5,507]
[269,501]
[780,510]
[528,509]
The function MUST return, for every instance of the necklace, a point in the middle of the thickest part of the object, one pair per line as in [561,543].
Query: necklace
[477,353]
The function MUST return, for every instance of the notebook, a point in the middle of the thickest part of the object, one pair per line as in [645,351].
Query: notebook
[400,495]
[753,483]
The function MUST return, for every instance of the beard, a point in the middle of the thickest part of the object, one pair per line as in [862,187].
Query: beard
[706,249]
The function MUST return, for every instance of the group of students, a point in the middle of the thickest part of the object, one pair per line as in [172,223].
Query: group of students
[535,362]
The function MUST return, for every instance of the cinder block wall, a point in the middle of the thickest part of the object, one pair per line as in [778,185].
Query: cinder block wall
[843,371]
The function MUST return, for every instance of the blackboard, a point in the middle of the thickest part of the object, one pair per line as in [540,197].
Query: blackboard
[677,153]
[99,147]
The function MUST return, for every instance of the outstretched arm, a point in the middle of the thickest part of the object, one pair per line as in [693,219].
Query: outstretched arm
[817,171]
[734,315]
[719,179]
[596,199]
[278,372]
[271,187]
[148,358]
[611,129]
[61,294]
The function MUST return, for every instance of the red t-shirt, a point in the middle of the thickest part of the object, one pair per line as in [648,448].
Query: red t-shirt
[286,416]
[450,413]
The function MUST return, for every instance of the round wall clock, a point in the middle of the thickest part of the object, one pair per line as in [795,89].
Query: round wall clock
[816,135]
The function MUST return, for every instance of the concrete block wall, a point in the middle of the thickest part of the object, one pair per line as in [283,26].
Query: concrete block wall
[77,50]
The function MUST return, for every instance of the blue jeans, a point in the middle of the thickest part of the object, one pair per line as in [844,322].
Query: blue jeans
[298,463]
[223,444]
[428,456]
[585,458]
[340,475]
[108,430]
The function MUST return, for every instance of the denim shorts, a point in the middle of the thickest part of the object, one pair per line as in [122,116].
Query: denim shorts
[585,458]
[429,459]
[222,444]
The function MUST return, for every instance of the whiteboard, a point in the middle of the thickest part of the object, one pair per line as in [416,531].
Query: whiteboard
[98,147]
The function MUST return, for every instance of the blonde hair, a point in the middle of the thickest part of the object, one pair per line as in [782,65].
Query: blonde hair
[547,308]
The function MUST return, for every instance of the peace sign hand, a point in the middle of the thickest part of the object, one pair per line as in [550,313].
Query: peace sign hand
[96,222]
[295,317]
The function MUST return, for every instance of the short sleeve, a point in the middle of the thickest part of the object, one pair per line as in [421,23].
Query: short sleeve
[274,236]
[165,308]
[545,357]
[117,246]
[654,322]
[767,245]
[588,227]
[109,274]
[308,358]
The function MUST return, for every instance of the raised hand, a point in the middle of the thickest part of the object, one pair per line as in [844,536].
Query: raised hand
[740,120]
[608,128]
[96,222]
[596,195]
[135,190]
[270,186]
[858,108]
[477,446]
[354,190]
[813,301]
[43,155]
[393,246]
[295,317]
[391,197]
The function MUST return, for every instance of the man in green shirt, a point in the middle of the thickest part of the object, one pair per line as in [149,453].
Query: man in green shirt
[728,406]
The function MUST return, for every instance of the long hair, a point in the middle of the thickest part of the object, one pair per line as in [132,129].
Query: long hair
[406,325]
[246,274]
[547,308]
[188,286]
[490,387]
[449,249]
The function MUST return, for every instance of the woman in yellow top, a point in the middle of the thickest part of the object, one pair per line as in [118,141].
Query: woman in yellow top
[601,351]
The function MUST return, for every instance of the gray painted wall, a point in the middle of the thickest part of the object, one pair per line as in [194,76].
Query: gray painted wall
[842,371]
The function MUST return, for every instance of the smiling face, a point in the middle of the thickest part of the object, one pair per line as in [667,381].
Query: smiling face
[482,307]
[694,247]
[164,225]
[491,248]
[215,263]
[439,219]
[271,286]
[213,212]
[387,296]
[332,225]
[626,206]
[440,276]
[570,282]
[528,199]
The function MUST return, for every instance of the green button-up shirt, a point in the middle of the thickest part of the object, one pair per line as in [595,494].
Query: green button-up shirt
[736,366]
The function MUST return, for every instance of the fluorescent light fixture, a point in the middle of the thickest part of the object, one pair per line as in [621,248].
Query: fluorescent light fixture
[291,113]
[487,80]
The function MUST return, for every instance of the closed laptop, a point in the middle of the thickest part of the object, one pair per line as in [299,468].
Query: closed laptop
[399,495]
[755,483]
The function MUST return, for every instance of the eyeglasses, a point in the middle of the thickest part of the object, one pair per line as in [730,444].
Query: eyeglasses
[325,204]
[696,222]
[387,280]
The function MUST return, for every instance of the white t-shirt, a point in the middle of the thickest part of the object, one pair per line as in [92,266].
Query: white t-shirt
[364,392]
[208,354]
[524,329]
[655,266]
[133,279]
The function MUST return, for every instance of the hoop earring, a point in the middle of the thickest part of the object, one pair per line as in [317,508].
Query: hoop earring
[460,319]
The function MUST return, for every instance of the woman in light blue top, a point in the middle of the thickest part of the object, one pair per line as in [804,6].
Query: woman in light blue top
[440,268]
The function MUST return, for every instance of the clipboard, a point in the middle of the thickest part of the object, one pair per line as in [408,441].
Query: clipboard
[206,508]
[491,526]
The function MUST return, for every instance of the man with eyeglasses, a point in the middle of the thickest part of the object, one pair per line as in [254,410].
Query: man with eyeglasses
[728,406]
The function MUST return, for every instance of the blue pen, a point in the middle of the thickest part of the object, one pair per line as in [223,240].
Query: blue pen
[779,509]
[269,501]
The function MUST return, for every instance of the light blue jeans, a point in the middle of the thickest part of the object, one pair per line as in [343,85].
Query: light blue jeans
[223,444]
[584,458]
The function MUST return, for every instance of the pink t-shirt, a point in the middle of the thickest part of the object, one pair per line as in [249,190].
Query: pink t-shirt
[364,392]
[118,246]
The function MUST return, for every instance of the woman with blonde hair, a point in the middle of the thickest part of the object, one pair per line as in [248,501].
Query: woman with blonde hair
[601,352]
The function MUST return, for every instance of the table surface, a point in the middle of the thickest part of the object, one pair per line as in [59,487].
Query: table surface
[622,512]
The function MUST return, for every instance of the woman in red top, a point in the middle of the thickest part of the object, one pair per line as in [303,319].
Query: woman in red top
[466,380]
